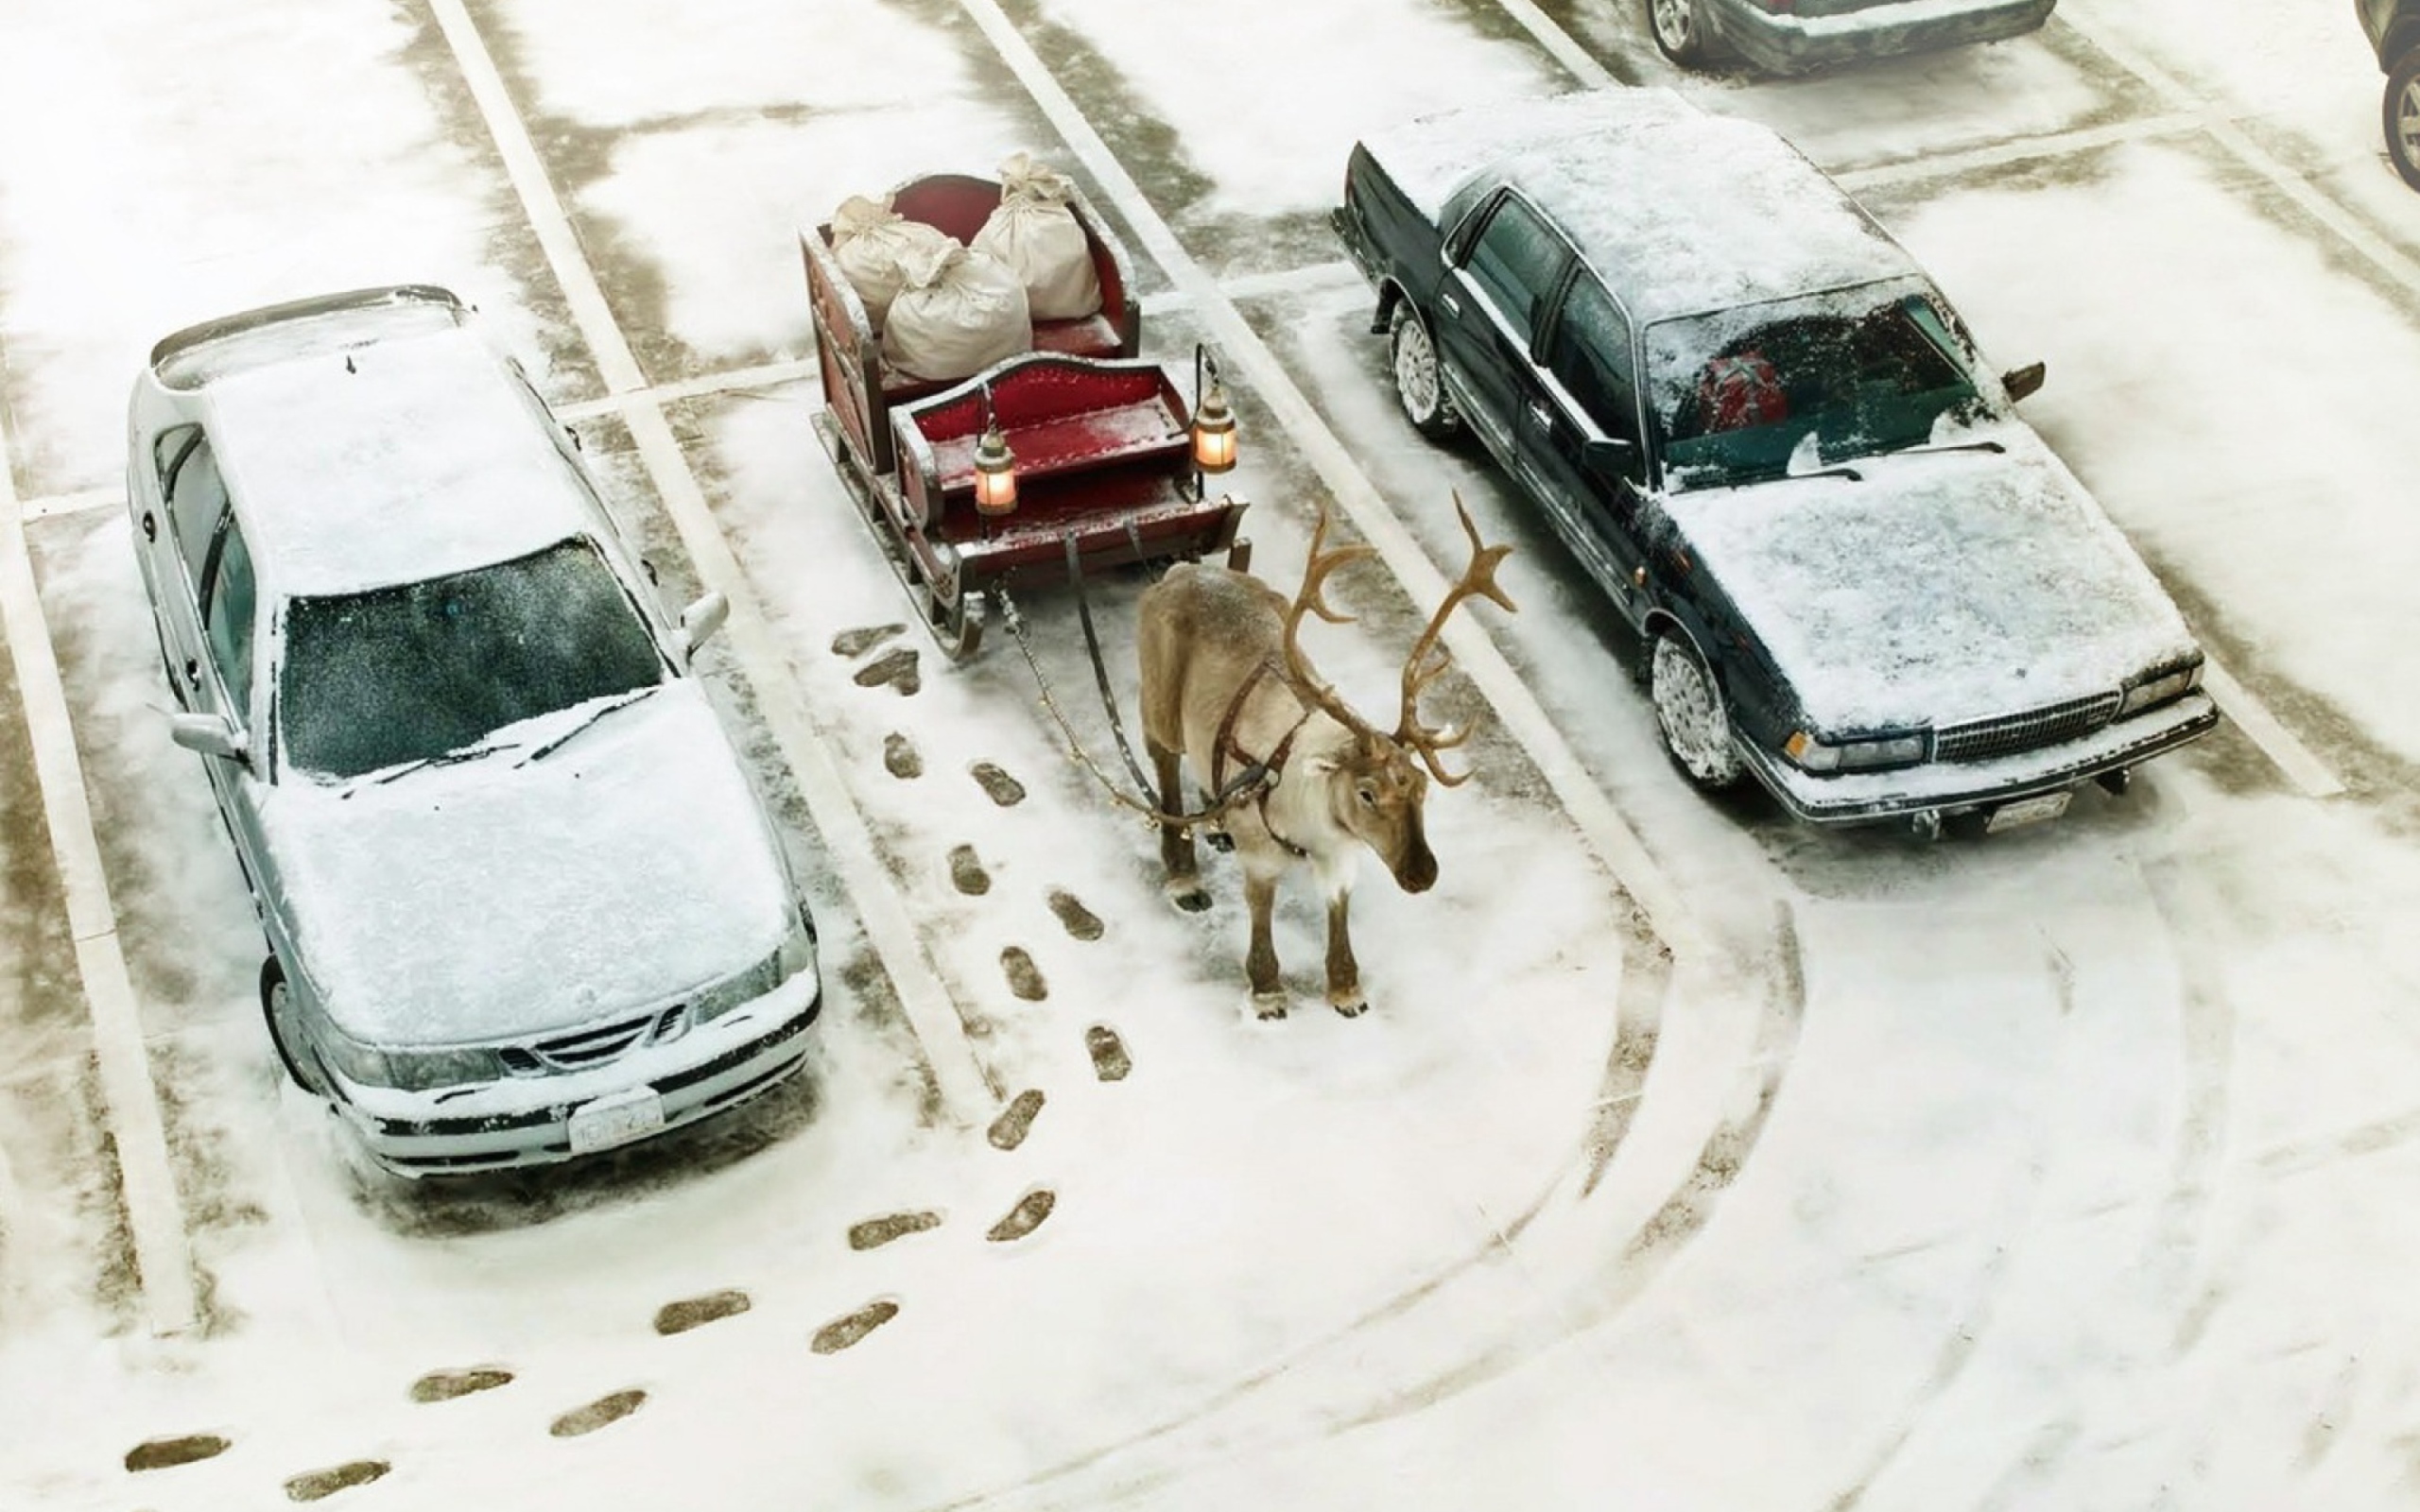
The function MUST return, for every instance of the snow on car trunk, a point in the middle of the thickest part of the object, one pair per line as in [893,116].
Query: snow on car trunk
[1935,587]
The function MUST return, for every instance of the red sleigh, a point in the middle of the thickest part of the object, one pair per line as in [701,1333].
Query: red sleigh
[1098,445]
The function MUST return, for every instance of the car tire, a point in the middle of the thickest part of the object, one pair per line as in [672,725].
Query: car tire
[1689,711]
[2401,116]
[284,1033]
[1420,385]
[1679,29]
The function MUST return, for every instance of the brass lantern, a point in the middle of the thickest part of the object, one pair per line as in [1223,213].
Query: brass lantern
[996,468]
[1214,423]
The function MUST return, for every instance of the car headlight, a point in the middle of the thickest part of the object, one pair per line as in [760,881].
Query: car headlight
[410,1070]
[1856,755]
[2164,687]
[796,954]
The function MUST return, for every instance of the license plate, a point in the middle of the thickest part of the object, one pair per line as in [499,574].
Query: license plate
[616,1120]
[2026,811]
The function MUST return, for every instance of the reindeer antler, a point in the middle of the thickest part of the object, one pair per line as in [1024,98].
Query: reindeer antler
[1429,658]
[1311,598]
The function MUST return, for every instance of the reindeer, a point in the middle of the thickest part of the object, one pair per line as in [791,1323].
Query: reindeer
[1226,687]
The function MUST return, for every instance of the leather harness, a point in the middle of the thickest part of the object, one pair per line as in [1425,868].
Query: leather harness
[1224,746]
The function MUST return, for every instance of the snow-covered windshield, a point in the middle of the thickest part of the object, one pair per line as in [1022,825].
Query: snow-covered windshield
[412,672]
[1749,393]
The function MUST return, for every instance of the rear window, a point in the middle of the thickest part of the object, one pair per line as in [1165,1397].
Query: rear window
[412,672]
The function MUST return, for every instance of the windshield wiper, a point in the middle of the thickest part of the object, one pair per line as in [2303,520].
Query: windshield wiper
[1949,446]
[445,758]
[565,738]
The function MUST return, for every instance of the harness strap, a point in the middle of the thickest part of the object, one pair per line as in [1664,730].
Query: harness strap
[1223,744]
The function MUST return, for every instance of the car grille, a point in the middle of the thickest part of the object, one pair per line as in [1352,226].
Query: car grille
[598,1045]
[2031,730]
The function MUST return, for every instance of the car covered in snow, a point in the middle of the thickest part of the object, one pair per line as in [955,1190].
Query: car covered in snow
[522,900]
[1769,439]
[2394,29]
[1794,36]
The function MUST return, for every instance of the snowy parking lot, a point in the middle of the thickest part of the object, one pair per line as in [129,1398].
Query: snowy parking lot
[1687,1158]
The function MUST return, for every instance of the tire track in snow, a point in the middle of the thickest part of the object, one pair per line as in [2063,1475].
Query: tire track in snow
[1320,1386]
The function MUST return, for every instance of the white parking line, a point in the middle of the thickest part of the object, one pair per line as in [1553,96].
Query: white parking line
[2304,770]
[964,1089]
[1577,60]
[131,1104]
[1600,825]
[2018,150]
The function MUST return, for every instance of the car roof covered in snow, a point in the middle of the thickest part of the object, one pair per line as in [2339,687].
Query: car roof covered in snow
[409,452]
[1680,211]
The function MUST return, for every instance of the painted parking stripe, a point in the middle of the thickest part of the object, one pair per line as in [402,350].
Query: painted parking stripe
[1602,828]
[964,1087]
[130,1102]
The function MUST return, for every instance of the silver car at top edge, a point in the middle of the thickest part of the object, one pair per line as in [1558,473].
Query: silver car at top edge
[1795,36]
[522,900]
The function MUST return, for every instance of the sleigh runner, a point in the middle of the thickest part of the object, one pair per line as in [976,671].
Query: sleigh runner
[1071,457]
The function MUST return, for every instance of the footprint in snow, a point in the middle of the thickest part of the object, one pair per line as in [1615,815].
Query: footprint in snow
[1024,1217]
[998,785]
[445,1386]
[696,1312]
[1015,1121]
[597,1414]
[876,1232]
[1078,921]
[1110,1059]
[319,1485]
[851,645]
[897,668]
[1024,978]
[166,1453]
[842,1332]
[899,756]
[966,872]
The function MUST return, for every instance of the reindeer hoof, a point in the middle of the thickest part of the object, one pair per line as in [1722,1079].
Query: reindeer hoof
[1268,1006]
[1353,1010]
[1188,896]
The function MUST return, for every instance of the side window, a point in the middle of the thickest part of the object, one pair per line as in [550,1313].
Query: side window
[197,497]
[227,602]
[1590,357]
[1514,260]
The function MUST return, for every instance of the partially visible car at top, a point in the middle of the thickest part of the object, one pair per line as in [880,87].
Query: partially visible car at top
[1794,36]
[1771,441]
[522,900]
[2394,30]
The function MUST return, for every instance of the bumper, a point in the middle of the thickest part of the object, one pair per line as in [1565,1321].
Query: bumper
[527,1120]
[1793,44]
[1943,788]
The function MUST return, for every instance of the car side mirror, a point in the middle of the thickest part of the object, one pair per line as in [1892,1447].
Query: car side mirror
[211,734]
[701,620]
[2025,380]
[1612,458]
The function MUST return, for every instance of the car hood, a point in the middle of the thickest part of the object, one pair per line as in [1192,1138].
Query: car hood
[1935,587]
[501,897]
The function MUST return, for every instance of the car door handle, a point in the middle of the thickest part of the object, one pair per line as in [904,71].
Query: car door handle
[193,672]
[1541,418]
[1453,305]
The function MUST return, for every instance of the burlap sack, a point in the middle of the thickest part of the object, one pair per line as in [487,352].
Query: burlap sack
[1036,234]
[960,312]
[869,241]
